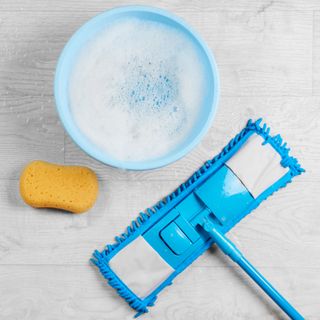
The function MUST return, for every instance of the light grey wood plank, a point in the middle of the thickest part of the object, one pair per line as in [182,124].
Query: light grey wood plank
[281,43]
[316,54]
[60,292]
[29,235]
[282,232]
[177,5]
[30,50]
[29,130]
[29,125]
[297,119]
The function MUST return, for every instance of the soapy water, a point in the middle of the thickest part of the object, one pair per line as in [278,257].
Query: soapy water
[136,89]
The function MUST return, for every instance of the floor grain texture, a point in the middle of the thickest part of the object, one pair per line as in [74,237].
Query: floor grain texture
[268,53]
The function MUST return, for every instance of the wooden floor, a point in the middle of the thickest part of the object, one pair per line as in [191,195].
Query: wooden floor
[268,53]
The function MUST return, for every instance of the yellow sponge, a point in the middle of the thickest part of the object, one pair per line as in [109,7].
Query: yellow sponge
[48,185]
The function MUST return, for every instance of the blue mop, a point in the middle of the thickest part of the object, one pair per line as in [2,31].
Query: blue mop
[168,237]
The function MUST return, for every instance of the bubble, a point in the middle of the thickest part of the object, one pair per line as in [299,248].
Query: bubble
[136,90]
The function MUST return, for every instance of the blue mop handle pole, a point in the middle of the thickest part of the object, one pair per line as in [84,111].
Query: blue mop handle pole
[233,252]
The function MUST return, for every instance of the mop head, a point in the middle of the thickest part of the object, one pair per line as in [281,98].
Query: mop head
[166,239]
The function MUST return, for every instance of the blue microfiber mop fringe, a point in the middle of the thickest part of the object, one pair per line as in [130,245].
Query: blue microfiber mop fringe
[115,282]
[100,259]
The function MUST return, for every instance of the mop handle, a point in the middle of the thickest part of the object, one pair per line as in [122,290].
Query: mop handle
[233,252]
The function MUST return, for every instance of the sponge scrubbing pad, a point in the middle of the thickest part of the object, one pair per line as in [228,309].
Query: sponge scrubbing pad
[47,185]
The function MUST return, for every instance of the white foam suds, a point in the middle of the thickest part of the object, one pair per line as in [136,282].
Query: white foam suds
[136,89]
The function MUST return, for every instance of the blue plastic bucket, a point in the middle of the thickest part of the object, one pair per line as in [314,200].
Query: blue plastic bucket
[78,41]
